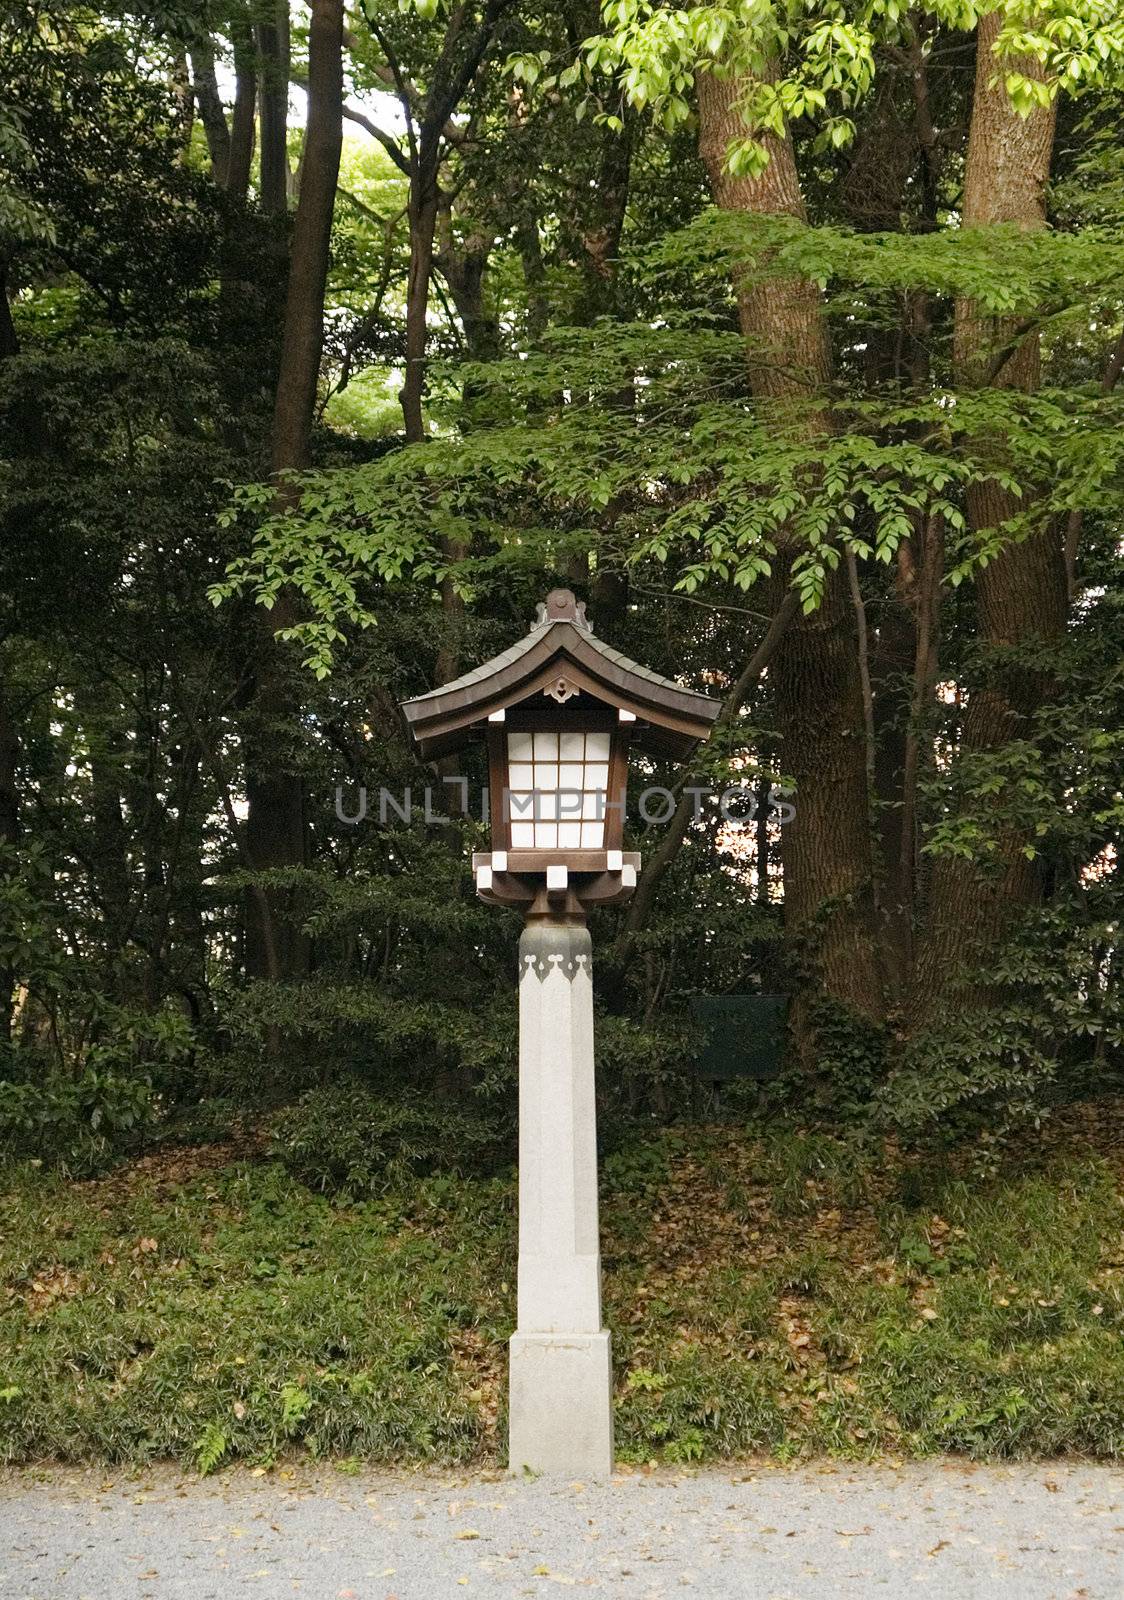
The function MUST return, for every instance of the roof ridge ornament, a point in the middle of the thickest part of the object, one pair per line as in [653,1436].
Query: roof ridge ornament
[561,605]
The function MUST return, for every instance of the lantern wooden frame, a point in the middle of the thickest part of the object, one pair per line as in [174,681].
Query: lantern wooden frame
[559,678]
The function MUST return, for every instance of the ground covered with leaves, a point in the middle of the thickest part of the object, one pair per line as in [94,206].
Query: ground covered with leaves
[768,1291]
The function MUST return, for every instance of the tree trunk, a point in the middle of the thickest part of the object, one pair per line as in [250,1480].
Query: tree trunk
[826,850]
[423,225]
[211,113]
[601,228]
[273,94]
[463,264]
[275,823]
[1021,594]
[242,118]
[761,836]
[312,230]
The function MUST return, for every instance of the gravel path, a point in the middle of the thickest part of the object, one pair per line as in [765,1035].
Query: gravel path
[1048,1531]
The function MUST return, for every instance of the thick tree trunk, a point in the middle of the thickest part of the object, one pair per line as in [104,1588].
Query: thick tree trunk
[826,851]
[273,94]
[1022,594]
[783,316]
[275,824]
[462,264]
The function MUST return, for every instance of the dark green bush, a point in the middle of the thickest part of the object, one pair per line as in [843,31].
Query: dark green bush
[1049,1028]
[76,1123]
[344,1138]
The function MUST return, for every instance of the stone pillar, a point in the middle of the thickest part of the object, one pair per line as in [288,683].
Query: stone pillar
[561,1392]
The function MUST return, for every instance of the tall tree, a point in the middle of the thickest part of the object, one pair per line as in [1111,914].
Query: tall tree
[272,36]
[828,865]
[275,823]
[1021,594]
[430,134]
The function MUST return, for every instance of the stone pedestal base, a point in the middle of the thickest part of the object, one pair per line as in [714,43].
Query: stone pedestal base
[561,1406]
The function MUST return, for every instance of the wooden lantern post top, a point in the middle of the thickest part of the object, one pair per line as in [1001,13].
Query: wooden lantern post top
[559,677]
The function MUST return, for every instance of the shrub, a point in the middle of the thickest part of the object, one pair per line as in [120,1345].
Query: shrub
[1052,1026]
[344,1138]
[76,1123]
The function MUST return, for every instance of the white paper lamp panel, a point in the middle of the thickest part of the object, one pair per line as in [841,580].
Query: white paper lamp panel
[597,775]
[597,746]
[593,835]
[571,775]
[522,836]
[572,746]
[521,775]
[546,746]
[569,835]
[519,747]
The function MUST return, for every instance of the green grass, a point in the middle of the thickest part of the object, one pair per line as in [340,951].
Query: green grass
[781,1293]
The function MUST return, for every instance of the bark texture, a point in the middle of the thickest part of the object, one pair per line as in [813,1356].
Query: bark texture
[211,113]
[1021,595]
[826,851]
[312,228]
[272,37]
[242,117]
[275,824]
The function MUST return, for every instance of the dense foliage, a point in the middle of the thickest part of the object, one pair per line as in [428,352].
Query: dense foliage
[685,309]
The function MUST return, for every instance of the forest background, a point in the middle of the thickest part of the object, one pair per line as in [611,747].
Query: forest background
[789,336]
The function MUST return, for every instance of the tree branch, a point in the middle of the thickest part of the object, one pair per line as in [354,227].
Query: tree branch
[385,139]
[401,85]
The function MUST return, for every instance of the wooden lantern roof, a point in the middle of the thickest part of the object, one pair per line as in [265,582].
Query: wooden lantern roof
[561,657]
